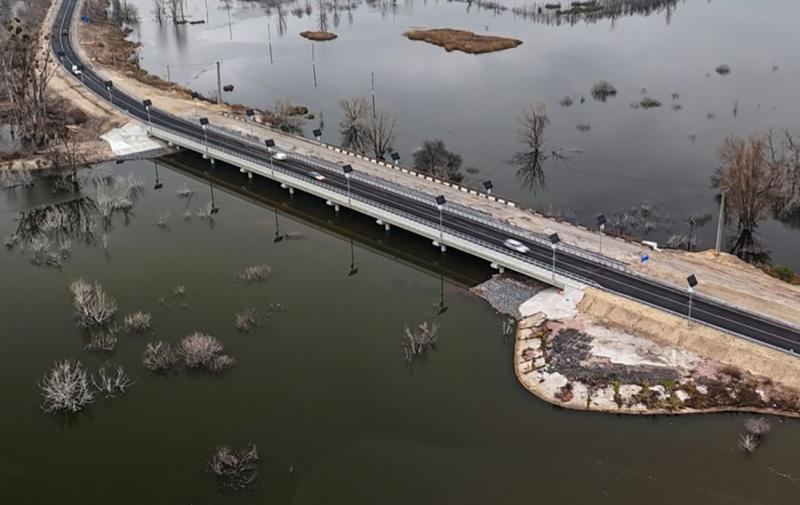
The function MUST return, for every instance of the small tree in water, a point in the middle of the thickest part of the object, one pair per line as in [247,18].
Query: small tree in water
[434,159]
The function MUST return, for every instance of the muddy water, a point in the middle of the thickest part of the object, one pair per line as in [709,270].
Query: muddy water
[662,156]
[321,388]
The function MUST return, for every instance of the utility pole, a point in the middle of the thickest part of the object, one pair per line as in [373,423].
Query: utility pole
[313,65]
[269,41]
[219,84]
[719,224]
[372,77]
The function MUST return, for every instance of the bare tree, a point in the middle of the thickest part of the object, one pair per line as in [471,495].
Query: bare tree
[159,357]
[93,306]
[433,158]
[416,342]
[380,134]
[26,74]
[138,322]
[751,179]
[112,384]
[355,110]
[159,11]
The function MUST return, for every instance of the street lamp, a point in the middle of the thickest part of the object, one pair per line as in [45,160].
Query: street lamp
[318,135]
[554,239]
[195,96]
[440,201]
[348,170]
[147,103]
[601,222]
[60,55]
[487,185]
[270,144]
[692,281]
[395,157]
[158,184]
[250,113]
[109,85]
[204,124]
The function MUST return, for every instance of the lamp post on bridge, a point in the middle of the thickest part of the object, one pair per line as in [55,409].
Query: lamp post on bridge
[318,135]
[554,240]
[109,85]
[204,125]
[692,281]
[348,170]
[250,113]
[270,145]
[487,185]
[601,222]
[195,96]
[147,103]
[440,202]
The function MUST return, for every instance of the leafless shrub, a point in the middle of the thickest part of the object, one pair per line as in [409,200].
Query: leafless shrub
[179,290]
[138,322]
[417,342]
[748,442]
[11,240]
[566,101]
[602,90]
[757,426]
[102,338]
[10,179]
[184,191]
[583,127]
[236,470]
[711,115]
[93,307]
[247,320]
[199,350]
[159,357]
[255,273]
[676,106]
[676,96]
[163,220]
[115,383]
[723,70]
[41,254]
[65,388]
[649,103]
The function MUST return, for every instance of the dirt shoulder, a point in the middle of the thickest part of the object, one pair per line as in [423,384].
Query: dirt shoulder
[590,350]
[724,277]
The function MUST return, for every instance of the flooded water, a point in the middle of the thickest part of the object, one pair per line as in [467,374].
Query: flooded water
[628,156]
[321,388]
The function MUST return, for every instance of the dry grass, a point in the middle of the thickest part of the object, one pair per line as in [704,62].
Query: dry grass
[462,40]
[318,36]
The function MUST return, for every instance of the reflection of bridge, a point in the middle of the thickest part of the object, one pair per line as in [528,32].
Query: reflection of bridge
[592,12]
[445,224]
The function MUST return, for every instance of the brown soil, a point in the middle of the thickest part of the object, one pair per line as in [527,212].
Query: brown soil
[462,40]
[318,36]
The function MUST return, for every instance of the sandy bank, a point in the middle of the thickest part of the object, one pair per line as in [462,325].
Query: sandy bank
[590,350]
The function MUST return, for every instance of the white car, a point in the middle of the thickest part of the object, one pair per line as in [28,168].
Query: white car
[279,156]
[316,175]
[516,245]
[76,70]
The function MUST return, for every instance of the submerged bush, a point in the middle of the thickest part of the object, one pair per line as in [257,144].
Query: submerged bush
[417,342]
[602,90]
[138,322]
[65,388]
[199,350]
[236,470]
[255,273]
[114,384]
[159,357]
[93,307]
[247,320]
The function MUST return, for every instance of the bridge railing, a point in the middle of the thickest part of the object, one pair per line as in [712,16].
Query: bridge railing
[452,208]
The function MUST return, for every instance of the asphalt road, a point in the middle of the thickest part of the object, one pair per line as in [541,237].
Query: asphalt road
[743,323]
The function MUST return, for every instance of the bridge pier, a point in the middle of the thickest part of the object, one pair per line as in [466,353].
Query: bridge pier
[500,269]
[386,226]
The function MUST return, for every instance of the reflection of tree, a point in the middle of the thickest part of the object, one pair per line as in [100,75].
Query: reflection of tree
[572,13]
[433,158]
[531,162]
[322,17]
[354,111]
